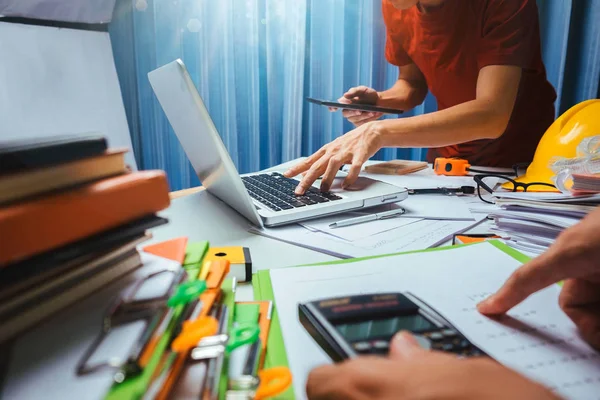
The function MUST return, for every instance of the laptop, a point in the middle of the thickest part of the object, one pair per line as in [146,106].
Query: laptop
[265,199]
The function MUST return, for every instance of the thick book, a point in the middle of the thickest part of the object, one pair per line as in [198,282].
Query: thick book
[19,155]
[20,185]
[40,225]
[17,276]
[35,285]
[33,294]
[74,291]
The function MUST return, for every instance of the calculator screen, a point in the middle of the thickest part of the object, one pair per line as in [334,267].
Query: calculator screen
[366,330]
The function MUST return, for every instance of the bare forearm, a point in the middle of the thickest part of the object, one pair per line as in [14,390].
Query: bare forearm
[465,122]
[404,95]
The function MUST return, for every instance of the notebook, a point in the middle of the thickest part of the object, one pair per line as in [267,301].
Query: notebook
[44,224]
[19,155]
[19,276]
[20,185]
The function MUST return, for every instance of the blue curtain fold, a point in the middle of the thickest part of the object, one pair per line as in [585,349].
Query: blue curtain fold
[255,61]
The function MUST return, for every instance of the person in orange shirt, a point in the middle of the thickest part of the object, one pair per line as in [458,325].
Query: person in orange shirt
[410,372]
[482,61]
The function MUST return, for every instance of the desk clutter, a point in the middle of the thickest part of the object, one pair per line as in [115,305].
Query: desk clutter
[87,312]
[71,216]
[168,329]
[535,338]
[415,223]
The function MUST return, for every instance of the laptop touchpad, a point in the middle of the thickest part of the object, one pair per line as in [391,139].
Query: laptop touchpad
[362,183]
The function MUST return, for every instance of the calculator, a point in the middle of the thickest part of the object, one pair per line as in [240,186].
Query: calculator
[347,327]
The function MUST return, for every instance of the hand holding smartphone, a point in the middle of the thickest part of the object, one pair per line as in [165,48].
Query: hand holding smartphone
[354,106]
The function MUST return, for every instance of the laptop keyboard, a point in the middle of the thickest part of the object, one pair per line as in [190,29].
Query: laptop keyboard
[277,192]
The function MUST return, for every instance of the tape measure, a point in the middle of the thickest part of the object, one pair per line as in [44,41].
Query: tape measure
[451,166]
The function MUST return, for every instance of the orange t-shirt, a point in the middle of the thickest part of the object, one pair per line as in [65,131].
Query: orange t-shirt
[452,42]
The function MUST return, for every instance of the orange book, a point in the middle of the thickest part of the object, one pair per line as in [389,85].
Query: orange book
[44,224]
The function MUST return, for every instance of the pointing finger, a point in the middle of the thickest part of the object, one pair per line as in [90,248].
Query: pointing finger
[313,174]
[530,278]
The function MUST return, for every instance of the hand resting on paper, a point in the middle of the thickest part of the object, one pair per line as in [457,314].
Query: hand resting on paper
[574,258]
[413,373]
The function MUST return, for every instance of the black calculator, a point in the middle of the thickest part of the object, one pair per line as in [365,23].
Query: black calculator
[346,327]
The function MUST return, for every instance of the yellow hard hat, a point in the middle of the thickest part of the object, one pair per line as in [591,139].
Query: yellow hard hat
[561,140]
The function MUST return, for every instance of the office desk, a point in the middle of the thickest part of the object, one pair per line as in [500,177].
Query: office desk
[197,214]
[185,192]
[201,216]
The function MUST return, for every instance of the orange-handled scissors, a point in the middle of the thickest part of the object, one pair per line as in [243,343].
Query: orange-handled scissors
[273,381]
[193,331]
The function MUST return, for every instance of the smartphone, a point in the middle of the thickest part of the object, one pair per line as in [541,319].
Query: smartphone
[355,106]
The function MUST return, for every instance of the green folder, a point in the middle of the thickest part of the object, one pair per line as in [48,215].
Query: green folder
[263,291]
[134,388]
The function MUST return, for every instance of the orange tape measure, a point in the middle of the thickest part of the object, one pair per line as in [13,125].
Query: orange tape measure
[451,166]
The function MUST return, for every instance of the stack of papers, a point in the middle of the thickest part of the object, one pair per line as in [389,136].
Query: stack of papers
[589,183]
[532,221]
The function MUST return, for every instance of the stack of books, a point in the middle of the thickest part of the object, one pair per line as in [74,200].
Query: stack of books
[71,217]
[531,222]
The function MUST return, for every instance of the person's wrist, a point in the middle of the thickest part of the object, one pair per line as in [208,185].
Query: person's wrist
[377,132]
[379,98]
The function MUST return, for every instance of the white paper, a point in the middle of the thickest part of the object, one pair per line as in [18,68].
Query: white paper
[359,231]
[544,218]
[431,206]
[550,197]
[545,206]
[424,179]
[416,236]
[451,282]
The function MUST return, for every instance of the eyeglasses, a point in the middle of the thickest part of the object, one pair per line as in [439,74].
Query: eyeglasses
[129,324]
[487,182]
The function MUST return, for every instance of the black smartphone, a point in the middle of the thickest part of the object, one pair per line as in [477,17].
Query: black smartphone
[355,106]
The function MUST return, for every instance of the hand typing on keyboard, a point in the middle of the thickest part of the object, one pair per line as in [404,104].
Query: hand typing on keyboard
[276,192]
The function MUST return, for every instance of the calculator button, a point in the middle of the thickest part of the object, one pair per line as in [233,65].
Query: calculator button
[447,347]
[423,341]
[381,345]
[362,346]
[449,333]
[437,346]
[464,344]
[435,336]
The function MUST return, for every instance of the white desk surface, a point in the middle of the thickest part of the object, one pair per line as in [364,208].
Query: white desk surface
[200,216]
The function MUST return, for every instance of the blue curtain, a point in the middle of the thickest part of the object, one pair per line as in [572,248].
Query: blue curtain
[255,61]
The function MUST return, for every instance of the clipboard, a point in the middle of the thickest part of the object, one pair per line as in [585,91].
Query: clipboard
[276,354]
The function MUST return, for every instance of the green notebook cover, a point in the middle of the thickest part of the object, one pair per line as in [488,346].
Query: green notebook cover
[263,290]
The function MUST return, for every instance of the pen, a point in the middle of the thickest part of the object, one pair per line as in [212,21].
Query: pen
[366,218]
[444,190]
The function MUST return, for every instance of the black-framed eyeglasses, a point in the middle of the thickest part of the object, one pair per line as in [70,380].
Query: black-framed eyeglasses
[487,182]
